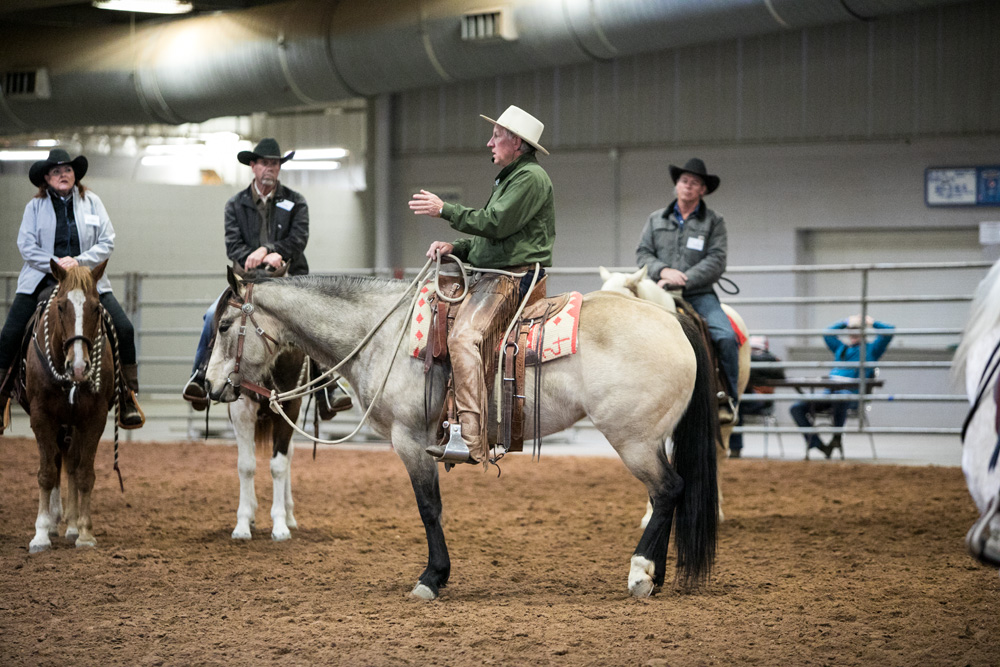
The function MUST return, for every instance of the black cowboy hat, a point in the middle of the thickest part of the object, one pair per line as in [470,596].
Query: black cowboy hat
[57,156]
[697,167]
[267,148]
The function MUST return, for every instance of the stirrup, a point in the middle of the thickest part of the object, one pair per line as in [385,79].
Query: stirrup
[454,450]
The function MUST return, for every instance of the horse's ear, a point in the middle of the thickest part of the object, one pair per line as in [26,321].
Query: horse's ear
[98,271]
[642,273]
[234,280]
[58,271]
[605,274]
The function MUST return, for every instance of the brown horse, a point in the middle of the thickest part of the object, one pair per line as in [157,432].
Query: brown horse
[68,389]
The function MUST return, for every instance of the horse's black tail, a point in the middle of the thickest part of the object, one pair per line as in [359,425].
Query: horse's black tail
[695,461]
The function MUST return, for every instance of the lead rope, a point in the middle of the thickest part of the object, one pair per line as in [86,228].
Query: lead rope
[109,326]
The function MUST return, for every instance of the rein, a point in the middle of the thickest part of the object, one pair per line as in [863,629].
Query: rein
[327,378]
[989,375]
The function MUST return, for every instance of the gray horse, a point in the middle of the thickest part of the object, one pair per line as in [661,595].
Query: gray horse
[640,375]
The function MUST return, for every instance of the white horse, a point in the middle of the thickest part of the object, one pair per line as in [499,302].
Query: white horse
[976,360]
[639,285]
[640,375]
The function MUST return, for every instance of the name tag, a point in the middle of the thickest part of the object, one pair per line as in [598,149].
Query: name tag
[91,219]
[696,243]
[286,204]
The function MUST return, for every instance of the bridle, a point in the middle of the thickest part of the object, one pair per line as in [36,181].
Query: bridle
[95,348]
[235,379]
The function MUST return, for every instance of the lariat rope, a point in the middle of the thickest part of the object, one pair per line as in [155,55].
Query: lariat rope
[327,378]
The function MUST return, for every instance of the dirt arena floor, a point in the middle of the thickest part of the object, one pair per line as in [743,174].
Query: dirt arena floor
[819,564]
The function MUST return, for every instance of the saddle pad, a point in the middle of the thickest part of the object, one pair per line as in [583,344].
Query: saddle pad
[560,336]
[740,337]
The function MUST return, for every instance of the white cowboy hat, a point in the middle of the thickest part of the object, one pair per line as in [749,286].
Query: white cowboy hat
[521,123]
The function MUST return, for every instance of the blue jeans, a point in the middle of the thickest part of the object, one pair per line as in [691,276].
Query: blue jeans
[206,335]
[720,329]
[803,416]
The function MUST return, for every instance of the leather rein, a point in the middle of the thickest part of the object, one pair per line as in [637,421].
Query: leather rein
[235,379]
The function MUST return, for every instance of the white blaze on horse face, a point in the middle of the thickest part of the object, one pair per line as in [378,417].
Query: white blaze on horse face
[77,298]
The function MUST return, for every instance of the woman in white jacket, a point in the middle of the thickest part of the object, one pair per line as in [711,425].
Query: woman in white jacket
[66,222]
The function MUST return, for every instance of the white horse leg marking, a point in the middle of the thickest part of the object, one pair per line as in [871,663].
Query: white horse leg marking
[289,503]
[279,481]
[43,525]
[640,577]
[243,414]
[55,511]
[649,512]
[72,509]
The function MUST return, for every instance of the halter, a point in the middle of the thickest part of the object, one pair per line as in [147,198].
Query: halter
[235,379]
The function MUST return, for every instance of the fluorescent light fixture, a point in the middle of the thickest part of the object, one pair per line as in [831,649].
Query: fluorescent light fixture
[306,165]
[320,154]
[22,156]
[47,142]
[175,149]
[164,161]
[146,6]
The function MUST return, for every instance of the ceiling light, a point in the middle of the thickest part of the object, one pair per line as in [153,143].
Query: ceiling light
[47,142]
[22,156]
[146,6]
[320,153]
[315,165]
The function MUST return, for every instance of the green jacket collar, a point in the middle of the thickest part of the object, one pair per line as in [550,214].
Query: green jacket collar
[509,169]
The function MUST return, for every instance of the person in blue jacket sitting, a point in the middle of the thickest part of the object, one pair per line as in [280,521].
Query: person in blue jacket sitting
[850,351]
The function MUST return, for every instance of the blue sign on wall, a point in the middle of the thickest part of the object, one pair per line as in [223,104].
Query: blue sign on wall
[962,186]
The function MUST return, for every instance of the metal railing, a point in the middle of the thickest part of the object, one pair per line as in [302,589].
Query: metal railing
[167,319]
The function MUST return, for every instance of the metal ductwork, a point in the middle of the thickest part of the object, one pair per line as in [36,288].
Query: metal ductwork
[314,52]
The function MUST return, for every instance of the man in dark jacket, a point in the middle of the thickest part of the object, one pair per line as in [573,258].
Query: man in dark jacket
[267,224]
[683,246]
[514,233]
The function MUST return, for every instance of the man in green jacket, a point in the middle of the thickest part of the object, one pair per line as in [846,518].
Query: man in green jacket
[513,233]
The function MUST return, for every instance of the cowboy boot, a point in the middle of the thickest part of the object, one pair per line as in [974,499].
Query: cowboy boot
[6,389]
[130,415]
[196,390]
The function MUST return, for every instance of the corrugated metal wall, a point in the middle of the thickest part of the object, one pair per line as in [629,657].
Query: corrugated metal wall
[899,76]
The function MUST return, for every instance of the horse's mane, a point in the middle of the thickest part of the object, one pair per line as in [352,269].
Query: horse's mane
[341,286]
[79,277]
[983,316]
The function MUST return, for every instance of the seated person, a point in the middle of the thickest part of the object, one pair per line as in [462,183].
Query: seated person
[759,352]
[802,412]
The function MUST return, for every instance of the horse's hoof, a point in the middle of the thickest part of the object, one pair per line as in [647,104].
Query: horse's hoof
[280,535]
[422,592]
[292,523]
[641,588]
[86,544]
[38,548]
[72,534]
[241,535]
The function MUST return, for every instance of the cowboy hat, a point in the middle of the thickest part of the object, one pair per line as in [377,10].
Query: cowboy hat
[57,156]
[697,167]
[521,123]
[267,148]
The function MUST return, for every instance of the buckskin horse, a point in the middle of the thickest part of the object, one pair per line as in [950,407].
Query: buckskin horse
[639,285]
[640,375]
[977,360]
[69,388]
